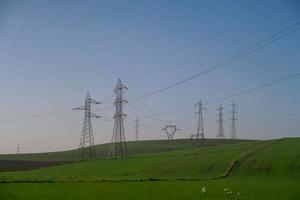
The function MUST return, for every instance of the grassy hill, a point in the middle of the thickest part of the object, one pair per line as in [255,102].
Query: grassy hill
[281,158]
[211,161]
[179,160]
[134,148]
[248,169]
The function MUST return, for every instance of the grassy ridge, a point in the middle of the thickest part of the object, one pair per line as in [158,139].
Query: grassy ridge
[277,158]
[204,162]
[259,170]
[281,158]
[134,148]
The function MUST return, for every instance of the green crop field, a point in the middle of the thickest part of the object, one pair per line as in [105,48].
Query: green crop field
[134,148]
[163,170]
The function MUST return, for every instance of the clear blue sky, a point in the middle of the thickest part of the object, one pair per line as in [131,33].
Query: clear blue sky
[53,52]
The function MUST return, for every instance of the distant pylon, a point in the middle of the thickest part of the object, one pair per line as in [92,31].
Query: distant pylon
[87,146]
[233,120]
[220,121]
[118,143]
[200,127]
[18,149]
[136,129]
[170,131]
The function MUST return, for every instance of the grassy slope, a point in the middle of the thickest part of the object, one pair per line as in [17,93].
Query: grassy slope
[270,172]
[134,148]
[249,189]
[281,158]
[204,162]
[277,158]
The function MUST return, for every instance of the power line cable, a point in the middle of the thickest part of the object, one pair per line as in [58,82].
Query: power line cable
[240,93]
[269,84]
[164,121]
[277,113]
[244,116]
[13,120]
[171,112]
[259,45]
[42,127]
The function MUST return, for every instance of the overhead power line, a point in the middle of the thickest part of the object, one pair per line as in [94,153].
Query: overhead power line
[170,112]
[259,45]
[151,130]
[265,120]
[189,119]
[46,114]
[282,114]
[17,119]
[42,127]
[255,88]
[134,113]
[240,93]
[162,120]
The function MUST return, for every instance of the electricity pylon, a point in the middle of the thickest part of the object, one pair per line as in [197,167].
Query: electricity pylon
[18,149]
[220,121]
[200,127]
[170,131]
[136,129]
[233,120]
[118,143]
[87,146]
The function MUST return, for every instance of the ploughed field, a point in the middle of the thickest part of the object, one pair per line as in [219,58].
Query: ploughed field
[20,165]
[162,170]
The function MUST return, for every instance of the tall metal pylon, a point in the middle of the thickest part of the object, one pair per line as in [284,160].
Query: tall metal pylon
[18,149]
[118,143]
[233,120]
[200,127]
[220,121]
[136,129]
[170,131]
[87,146]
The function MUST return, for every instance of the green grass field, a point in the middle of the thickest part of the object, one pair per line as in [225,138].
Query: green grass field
[134,148]
[160,170]
[248,188]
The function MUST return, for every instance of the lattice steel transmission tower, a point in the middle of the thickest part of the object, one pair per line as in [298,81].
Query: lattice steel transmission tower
[136,129]
[233,120]
[170,131]
[18,149]
[200,127]
[118,143]
[87,146]
[220,121]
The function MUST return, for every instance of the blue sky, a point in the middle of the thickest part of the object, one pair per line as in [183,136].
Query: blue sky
[53,52]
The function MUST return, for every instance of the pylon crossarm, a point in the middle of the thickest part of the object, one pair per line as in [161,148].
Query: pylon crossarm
[94,115]
[87,138]
[94,101]
[79,108]
[118,143]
